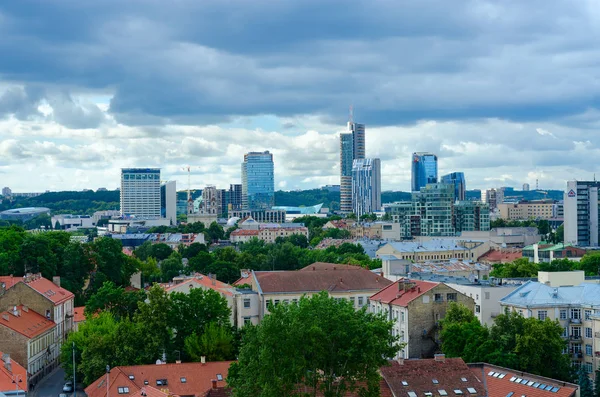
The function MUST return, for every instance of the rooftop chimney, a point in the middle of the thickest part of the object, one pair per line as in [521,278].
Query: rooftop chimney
[400,361]
[439,357]
[15,311]
[56,280]
[214,383]
[5,316]
[203,359]
[177,361]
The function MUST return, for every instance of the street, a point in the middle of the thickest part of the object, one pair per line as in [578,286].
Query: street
[52,386]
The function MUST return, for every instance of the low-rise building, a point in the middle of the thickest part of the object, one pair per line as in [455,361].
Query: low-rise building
[162,380]
[72,222]
[266,232]
[500,255]
[353,283]
[565,297]
[547,252]
[524,210]
[30,338]
[435,250]
[506,237]
[416,307]
[13,377]
[395,269]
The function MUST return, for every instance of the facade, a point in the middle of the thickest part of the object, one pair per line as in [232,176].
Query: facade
[354,283]
[231,199]
[457,179]
[13,377]
[424,170]
[212,201]
[366,186]
[524,210]
[526,187]
[6,192]
[72,222]
[563,296]
[30,339]
[470,216]
[394,269]
[163,380]
[493,197]
[258,181]
[581,213]
[352,147]
[544,252]
[416,308]
[486,296]
[140,193]
[435,250]
[506,237]
[262,216]
[168,201]
[434,205]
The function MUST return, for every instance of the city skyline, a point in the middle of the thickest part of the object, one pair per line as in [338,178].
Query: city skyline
[496,91]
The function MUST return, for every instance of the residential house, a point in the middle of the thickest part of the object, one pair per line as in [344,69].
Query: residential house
[13,377]
[439,376]
[502,382]
[180,379]
[563,296]
[30,338]
[43,296]
[243,235]
[340,281]
[78,317]
[416,307]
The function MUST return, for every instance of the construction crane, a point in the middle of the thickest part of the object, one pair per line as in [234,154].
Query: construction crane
[190,202]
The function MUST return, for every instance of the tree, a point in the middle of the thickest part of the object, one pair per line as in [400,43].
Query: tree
[160,251]
[199,262]
[155,314]
[519,268]
[318,343]
[150,270]
[192,250]
[585,385]
[216,344]
[171,267]
[76,268]
[215,232]
[590,263]
[351,215]
[225,271]
[144,251]
[597,384]
[114,299]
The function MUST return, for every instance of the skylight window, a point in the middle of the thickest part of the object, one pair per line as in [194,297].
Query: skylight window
[404,383]
[510,394]
[513,378]
[518,380]
[428,394]
[183,379]
[549,387]
[555,389]
[442,392]
[458,392]
[530,383]
[219,377]
[542,386]
[496,374]
[435,381]
[471,390]
[463,379]
[536,384]
[491,373]
[412,394]
[502,376]
[524,381]
[123,390]
[146,382]
[131,377]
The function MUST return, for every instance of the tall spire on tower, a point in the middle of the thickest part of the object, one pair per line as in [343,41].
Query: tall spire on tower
[351,114]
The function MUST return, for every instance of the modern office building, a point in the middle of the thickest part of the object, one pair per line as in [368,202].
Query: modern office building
[581,213]
[460,186]
[140,193]
[168,201]
[258,181]
[435,206]
[471,216]
[352,147]
[231,198]
[366,186]
[424,170]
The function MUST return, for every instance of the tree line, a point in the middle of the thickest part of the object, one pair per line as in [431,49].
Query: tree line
[522,267]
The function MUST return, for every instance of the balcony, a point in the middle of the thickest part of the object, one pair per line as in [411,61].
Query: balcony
[577,356]
[575,338]
[575,320]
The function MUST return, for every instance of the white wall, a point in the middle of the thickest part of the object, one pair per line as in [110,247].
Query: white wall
[487,299]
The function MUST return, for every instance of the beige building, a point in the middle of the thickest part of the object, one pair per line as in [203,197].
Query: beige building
[564,296]
[266,234]
[416,307]
[435,250]
[538,209]
[354,283]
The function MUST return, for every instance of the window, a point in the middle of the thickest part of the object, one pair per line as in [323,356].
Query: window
[161,382]
[247,320]
[588,367]
[471,390]
[183,380]
[588,332]
[276,302]
[588,350]
[576,314]
[131,377]
[458,392]
[438,298]
[435,381]
[588,313]
[442,392]
[146,381]
[451,297]
[412,394]
[123,390]
[563,314]
[294,300]
[286,301]
[352,300]
[477,309]
[360,301]
[576,332]
[542,314]
[219,377]
[487,295]
[246,303]
[463,379]
[402,316]
[566,332]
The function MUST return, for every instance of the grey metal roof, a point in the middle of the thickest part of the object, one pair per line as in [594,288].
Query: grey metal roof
[538,294]
[430,246]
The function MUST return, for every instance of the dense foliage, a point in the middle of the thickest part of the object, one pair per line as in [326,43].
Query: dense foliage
[319,343]
[590,263]
[117,332]
[525,344]
[80,203]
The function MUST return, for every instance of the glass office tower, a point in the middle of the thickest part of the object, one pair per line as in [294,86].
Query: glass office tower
[352,147]
[460,186]
[258,181]
[366,186]
[424,170]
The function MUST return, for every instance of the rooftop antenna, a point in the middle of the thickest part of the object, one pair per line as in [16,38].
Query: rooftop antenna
[351,114]
[190,203]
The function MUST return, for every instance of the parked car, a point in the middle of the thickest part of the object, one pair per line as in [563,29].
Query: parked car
[68,387]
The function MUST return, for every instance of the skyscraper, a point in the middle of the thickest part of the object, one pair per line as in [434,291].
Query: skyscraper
[424,170]
[581,213]
[140,193]
[366,186]
[231,198]
[168,201]
[352,147]
[460,186]
[258,181]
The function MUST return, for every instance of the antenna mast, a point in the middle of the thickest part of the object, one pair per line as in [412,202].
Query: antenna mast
[190,203]
[351,114]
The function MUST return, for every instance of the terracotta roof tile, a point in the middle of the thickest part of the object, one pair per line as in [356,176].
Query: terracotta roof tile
[431,376]
[10,281]
[384,391]
[396,294]
[78,315]
[6,376]
[354,278]
[500,256]
[200,280]
[26,322]
[42,285]
[502,381]
[244,232]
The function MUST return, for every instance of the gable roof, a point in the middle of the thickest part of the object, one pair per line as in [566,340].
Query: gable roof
[538,294]
[78,315]
[202,281]
[397,294]
[10,281]
[26,322]
[501,256]
[503,381]
[185,379]
[6,376]
[419,377]
[42,285]
[245,232]
[324,277]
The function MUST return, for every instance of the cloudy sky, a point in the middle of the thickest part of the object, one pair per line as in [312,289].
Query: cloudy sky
[507,91]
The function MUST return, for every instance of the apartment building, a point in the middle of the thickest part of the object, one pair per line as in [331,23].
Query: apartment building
[435,250]
[523,210]
[563,296]
[267,233]
[353,283]
[30,338]
[43,296]
[416,307]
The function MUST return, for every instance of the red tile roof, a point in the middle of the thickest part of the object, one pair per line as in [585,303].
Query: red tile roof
[384,391]
[244,232]
[352,278]
[78,315]
[26,322]
[398,294]
[42,285]
[10,281]
[499,384]
[329,266]
[186,379]
[419,376]
[6,376]
[500,256]
[202,281]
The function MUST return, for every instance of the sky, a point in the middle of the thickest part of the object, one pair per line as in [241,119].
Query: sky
[506,91]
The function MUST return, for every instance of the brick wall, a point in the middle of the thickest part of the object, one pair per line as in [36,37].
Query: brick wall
[21,294]
[14,344]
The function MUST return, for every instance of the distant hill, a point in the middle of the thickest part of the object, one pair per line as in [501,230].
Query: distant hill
[79,203]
